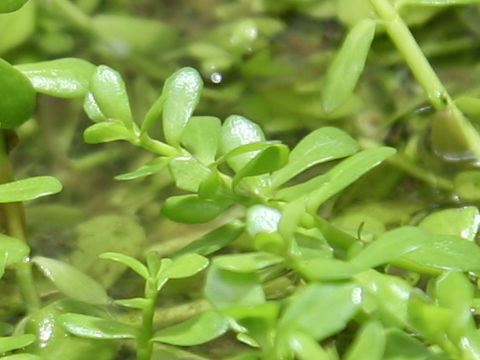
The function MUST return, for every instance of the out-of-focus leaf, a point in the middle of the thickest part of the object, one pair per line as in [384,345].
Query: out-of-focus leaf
[462,222]
[201,137]
[307,348]
[268,160]
[13,249]
[262,219]
[248,262]
[17,97]
[429,320]
[107,131]
[184,266]
[347,172]
[109,90]
[402,346]
[72,282]
[238,131]
[134,303]
[466,185]
[188,172]
[351,12]
[369,343]
[214,240]
[152,167]
[299,190]
[10,343]
[65,78]
[321,145]
[96,328]
[19,25]
[198,330]
[23,356]
[190,209]
[29,189]
[181,94]
[326,269]
[129,261]
[321,310]
[7,6]
[345,70]
[226,289]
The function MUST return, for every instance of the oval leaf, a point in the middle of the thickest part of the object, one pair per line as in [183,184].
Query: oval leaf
[321,145]
[10,343]
[107,131]
[188,172]
[17,97]
[111,96]
[19,26]
[247,263]
[262,219]
[348,64]
[72,282]
[184,266]
[65,78]
[190,209]
[16,250]
[29,189]
[96,328]
[181,94]
[131,262]
[198,330]
[201,137]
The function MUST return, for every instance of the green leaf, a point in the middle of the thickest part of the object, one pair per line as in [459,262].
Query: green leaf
[188,172]
[96,328]
[15,250]
[184,266]
[321,269]
[437,2]
[429,320]
[214,240]
[111,95]
[23,356]
[462,222]
[181,94]
[266,161]
[17,97]
[262,219]
[238,131]
[467,186]
[307,348]
[131,262]
[72,282]
[201,137]
[92,109]
[248,262]
[3,262]
[29,189]
[134,303]
[388,247]
[198,330]
[10,343]
[439,252]
[7,6]
[190,209]
[347,172]
[345,69]
[243,149]
[152,167]
[19,26]
[321,145]
[299,190]
[369,344]
[402,346]
[64,78]
[320,310]
[107,131]
[227,289]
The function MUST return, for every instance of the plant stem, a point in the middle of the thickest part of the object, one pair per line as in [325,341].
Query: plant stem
[461,130]
[13,218]
[71,12]
[144,346]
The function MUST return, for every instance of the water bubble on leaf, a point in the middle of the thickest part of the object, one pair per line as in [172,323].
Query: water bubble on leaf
[216,77]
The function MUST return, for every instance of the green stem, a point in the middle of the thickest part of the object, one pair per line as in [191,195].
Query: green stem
[460,129]
[157,147]
[144,346]
[14,221]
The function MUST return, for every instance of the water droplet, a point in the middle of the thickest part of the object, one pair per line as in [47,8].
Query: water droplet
[216,78]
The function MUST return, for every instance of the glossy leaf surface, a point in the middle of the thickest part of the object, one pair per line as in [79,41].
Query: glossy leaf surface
[238,131]
[262,219]
[17,97]
[181,94]
[190,209]
[72,282]
[65,78]
[111,95]
[348,64]
[347,172]
[10,343]
[200,329]
[96,328]
[29,189]
[321,145]
[321,310]
[201,137]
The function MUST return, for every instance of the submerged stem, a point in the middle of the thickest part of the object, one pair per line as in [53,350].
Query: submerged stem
[13,219]
[144,346]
